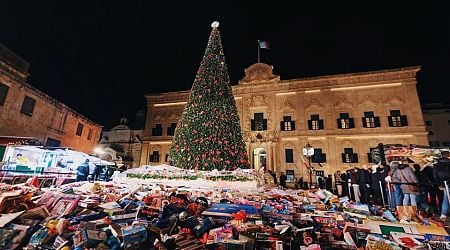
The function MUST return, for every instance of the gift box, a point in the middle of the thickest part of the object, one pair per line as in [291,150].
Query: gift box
[133,235]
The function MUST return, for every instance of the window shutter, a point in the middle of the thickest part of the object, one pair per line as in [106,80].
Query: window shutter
[364,122]
[391,124]
[369,157]
[252,124]
[321,124]
[264,124]
[355,158]
[404,120]
[339,125]
[282,128]
[352,122]
[377,122]
[310,124]
[293,125]
[343,158]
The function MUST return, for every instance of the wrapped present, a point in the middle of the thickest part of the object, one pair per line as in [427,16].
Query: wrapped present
[218,235]
[188,241]
[65,205]
[133,235]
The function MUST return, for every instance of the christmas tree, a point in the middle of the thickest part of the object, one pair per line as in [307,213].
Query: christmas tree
[208,135]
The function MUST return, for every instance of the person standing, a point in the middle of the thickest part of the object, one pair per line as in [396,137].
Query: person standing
[395,178]
[364,183]
[423,181]
[355,184]
[274,176]
[344,184]
[283,179]
[441,173]
[300,183]
[379,192]
[83,171]
[329,183]
[432,189]
[409,181]
[338,183]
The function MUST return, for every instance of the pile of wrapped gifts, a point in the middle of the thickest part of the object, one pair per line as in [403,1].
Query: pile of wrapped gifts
[113,215]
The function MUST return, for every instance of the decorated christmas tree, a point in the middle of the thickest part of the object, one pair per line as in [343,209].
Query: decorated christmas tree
[208,135]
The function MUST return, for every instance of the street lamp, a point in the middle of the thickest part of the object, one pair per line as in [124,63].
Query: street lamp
[308,151]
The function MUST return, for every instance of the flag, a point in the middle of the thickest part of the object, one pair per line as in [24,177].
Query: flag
[263,45]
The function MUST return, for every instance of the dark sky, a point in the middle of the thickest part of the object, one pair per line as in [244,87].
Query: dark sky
[101,57]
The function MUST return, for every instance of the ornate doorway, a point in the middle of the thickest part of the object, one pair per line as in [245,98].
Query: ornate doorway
[259,158]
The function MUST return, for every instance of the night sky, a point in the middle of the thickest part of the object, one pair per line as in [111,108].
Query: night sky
[101,57]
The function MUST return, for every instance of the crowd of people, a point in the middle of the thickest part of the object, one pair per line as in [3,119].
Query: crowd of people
[399,184]
[396,184]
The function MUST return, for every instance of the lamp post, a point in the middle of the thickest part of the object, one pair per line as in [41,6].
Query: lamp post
[308,151]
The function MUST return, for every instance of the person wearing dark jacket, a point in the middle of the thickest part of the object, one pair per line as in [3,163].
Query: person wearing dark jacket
[423,180]
[283,179]
[329,182]
[378,177]
[433,190]
[344,181]
[364,183]
[441,173]
[355,184]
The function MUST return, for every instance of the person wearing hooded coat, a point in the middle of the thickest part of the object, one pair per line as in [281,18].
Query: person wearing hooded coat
[406,175]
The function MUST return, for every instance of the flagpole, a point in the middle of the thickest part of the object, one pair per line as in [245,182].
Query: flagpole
[258,50]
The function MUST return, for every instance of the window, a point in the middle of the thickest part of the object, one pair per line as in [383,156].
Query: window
[370,120]
[3,92]
[448,121]
[89,134]
[428,123]
[430,132]
[318,156]
[157,131]
[345,122]
[446,143]
[28,106]
[396,119]
[289,155]
[154,157]
[348,156]
[287,124]
[258,122]
[315,123]
[290,177]
[79,129]
[434,144]
[171,129]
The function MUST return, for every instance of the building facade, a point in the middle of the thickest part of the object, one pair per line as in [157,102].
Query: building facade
[437,120]
[341,116]
[121,144]
[28,112]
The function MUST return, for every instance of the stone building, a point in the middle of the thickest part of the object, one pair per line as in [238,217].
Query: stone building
[437,120]
[28,112]
[121,144]
[341,116]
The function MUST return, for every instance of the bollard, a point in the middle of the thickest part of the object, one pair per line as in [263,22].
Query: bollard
[382,193]
[390,194]
[447,192]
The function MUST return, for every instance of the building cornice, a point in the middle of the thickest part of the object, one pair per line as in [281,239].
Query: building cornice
[384,78]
